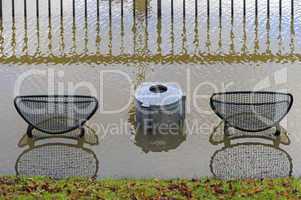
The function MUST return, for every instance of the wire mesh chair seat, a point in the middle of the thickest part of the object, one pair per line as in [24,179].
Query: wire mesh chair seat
[55,114]
[251,111]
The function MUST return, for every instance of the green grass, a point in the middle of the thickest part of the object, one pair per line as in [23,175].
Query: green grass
[76,188]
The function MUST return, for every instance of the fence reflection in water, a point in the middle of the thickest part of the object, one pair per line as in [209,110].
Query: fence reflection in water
[106,32]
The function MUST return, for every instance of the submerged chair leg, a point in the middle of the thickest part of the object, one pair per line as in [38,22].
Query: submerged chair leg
[278,130]
[29,131]
[82,131]
[226,135]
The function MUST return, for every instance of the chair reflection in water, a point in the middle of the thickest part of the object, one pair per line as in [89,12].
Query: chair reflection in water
[250,161]
[250,115]
[56,114]
[58,159]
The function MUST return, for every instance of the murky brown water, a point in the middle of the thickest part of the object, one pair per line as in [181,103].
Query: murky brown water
[124,38]
[202,56]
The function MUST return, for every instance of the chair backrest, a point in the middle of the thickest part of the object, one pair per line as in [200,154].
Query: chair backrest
[56,114]
[251,111]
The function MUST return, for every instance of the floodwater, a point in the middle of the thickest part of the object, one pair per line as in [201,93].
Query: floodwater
[106,56]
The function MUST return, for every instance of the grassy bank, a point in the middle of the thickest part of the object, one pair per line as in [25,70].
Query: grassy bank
[43,188]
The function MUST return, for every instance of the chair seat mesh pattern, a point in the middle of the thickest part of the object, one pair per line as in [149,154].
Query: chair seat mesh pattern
[57,161]
[56,114]
[250,161]
[251,111]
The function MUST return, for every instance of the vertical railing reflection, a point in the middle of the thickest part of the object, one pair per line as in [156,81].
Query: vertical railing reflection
[268,42]
[37,53]
[208,40]
[232,37]
[98,38]
[280,36]
[220,43]
[86,39]
[141,30]
[62,40]
[146,33]
[110,35]
[50,37]
[122,35]
[256,40]
[184,36]
[25,44]
[13,38]
[172,36]
[292,30]
[73,48]
[134,27]
[159,37]
[1,38]
[196,41]
[244,38]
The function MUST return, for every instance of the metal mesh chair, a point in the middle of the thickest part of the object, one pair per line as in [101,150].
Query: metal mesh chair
[250,161]
[55,114]
[57,160]
[251,111]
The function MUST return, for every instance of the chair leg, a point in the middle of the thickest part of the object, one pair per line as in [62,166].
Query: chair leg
[226,135]
[278,130]
[29,131]
[82,132]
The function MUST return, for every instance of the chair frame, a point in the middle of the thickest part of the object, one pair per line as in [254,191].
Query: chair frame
[227,125]
[32,126]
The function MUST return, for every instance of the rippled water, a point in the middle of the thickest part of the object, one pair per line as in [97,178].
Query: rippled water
[203,55]
[184,36]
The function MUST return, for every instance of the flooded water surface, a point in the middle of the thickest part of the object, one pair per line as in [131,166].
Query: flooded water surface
[113,48]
